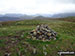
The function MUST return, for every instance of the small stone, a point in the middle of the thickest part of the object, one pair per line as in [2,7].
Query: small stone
[22,35]
[34,51]
[44,48]
[34,33]
[56,46]
[46,45]
[54,38]
[49,34]
[28,37]
[40,36]
[13,41]
[38,32]
[43,39]
[45,53]
[19,53]
[47,40]
[7,54]
[34,38]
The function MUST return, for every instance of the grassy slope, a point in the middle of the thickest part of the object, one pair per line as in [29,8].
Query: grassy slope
[13,38]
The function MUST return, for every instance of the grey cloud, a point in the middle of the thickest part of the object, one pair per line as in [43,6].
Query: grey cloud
[56,1]
[65,1]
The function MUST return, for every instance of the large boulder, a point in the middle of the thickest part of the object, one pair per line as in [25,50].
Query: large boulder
[43,32]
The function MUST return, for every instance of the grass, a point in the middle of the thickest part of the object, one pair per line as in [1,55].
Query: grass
[13,38]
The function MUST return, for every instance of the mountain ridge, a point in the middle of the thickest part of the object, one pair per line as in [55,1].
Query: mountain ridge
[11,17]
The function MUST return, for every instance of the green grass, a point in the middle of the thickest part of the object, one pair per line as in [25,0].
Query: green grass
[13,38]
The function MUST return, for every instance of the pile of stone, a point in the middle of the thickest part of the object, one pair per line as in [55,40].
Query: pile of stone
[43,32]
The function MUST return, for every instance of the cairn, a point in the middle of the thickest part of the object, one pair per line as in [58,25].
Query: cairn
[43,32]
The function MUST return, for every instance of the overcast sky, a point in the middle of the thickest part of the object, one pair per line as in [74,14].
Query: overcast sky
[36,6]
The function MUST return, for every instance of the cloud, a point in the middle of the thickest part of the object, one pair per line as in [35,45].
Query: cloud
[56,1]
[66,1]
[37,6]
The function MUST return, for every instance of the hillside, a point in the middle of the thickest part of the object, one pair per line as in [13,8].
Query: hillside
[70,19]
[14,41]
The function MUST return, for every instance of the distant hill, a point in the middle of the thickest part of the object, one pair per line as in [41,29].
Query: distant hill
[39,17]
[11,17]
[27,17]
[62,15]
[1,15]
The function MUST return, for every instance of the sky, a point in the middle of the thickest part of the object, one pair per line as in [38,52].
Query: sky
[37,6]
